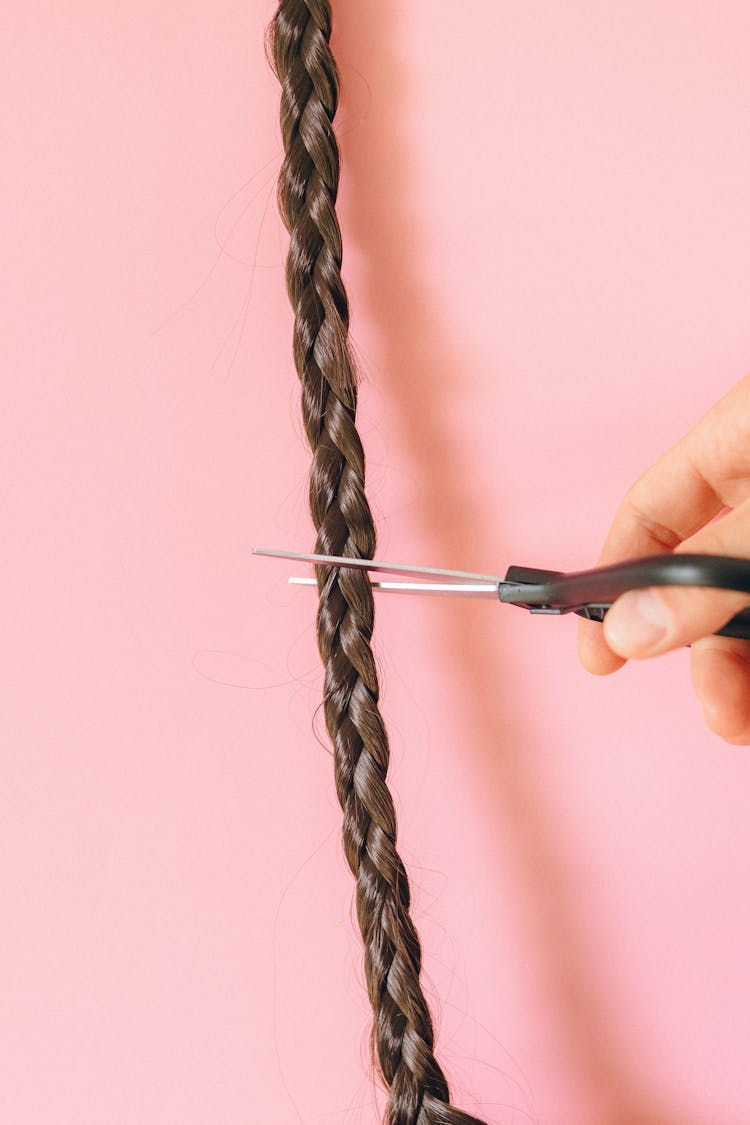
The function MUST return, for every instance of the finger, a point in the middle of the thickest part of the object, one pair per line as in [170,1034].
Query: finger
[593,651]
[643,623]
[720,675]
[706,471]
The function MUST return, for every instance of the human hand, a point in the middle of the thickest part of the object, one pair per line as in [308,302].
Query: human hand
[668,509]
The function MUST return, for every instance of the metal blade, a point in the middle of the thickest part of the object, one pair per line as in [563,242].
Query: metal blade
[446,589]
[373,564]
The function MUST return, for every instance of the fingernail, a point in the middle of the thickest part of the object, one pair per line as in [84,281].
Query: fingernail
[638,620]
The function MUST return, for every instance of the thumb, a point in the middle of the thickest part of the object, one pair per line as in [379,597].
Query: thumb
[649,622]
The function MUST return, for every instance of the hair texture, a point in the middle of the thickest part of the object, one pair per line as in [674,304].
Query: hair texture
[402,1037]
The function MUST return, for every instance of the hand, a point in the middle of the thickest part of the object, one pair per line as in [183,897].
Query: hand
[670,508]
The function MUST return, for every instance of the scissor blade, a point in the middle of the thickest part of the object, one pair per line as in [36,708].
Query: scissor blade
[373,564]
[446,589]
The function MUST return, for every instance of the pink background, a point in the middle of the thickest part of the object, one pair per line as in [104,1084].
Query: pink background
[547,241]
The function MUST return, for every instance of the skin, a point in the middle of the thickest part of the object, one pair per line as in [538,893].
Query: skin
[673,507]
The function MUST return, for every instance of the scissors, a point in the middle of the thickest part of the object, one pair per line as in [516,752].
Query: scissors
[589,593]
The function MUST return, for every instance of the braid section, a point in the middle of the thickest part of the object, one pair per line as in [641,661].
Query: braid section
[402,1039]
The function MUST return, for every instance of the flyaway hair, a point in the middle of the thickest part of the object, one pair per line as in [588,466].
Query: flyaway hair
[402,1040]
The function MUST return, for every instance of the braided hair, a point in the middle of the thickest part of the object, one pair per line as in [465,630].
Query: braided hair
[402,1037]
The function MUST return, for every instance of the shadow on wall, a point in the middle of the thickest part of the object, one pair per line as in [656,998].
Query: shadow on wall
[419,372]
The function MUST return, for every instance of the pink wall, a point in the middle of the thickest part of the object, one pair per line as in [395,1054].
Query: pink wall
[547,244]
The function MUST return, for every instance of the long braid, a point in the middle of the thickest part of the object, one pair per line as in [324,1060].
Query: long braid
[402,1032]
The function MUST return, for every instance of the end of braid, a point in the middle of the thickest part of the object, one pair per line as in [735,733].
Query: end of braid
[402,1034]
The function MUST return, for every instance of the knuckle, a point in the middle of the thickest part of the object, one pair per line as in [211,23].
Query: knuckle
[636,507]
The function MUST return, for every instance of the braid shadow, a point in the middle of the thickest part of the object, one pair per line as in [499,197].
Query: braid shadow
[402,1035]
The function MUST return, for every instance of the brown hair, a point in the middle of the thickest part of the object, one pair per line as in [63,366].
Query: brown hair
[402,1036]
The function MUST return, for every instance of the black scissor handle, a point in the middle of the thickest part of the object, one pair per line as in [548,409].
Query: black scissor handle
[590,593]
